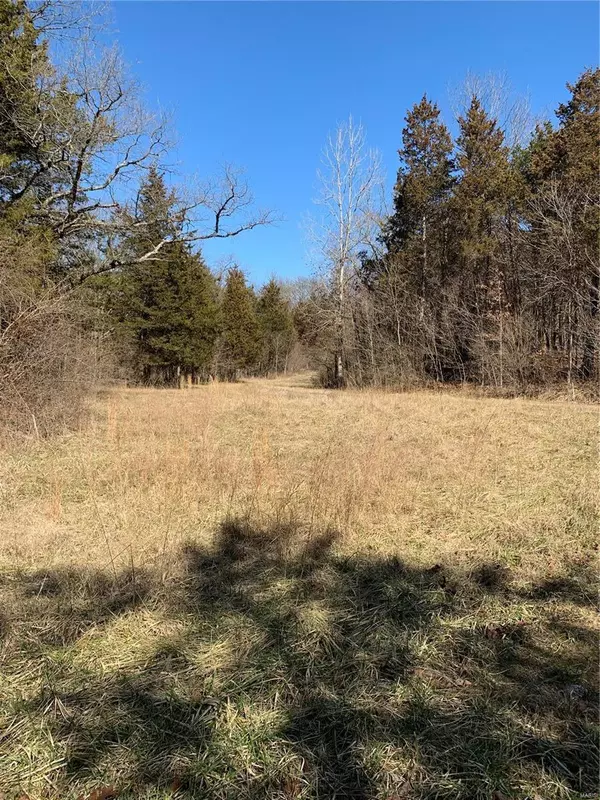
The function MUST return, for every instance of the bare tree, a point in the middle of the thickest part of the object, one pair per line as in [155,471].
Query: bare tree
[219,208]
[89,140]
[501,102]
[350,199]
[565,270]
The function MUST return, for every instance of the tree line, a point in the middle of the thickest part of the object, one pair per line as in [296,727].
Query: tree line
[487,268]
[100,259]
[172,319]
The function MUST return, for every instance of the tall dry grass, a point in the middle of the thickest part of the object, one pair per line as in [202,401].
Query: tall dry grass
[266,590]
[423,475]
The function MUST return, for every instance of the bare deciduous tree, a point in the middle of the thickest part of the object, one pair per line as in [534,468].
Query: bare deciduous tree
[350,199]
[89,139]
[511,110]
[219,208]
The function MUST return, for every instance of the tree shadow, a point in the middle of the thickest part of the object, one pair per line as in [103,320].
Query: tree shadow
[67,602]
[291,670]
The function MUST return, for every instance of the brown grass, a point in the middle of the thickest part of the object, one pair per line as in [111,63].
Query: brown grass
[426,476]
[476,516]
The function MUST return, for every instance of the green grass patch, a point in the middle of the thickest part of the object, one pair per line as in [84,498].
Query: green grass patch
[274,665]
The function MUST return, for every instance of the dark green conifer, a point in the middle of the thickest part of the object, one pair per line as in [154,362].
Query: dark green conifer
[169,302]
[276,327]
[240,341]
[425,175]
[484,183]
[562,167]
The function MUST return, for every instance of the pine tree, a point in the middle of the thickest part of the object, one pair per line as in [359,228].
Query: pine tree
[22,59]
[36,115]
[483,187]
[579,134]
[571,151]
[424,178]
[29,250]
[415,269]
[561,166]
[482,202]
[276,327]
[201,314]
[169,304]
[240,340]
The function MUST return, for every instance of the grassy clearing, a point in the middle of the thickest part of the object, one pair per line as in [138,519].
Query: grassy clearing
[270,591]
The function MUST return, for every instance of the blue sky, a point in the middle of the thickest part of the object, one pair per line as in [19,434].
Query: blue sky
[260,84]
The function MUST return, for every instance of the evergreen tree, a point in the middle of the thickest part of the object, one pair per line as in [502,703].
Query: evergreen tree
[22,60]
[169,303]
[484,183]
[415,269]
[38,114]
[276,327]
[424,178]
[579,133]
[570,153]
[481,202]
[240,341]
[561,166]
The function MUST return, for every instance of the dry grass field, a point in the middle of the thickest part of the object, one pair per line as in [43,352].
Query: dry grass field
[266,590]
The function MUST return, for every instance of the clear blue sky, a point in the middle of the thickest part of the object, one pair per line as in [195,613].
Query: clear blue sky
[260,84]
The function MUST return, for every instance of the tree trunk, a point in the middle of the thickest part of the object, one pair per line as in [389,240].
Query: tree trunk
[423,271]
[590,342]
[338,371]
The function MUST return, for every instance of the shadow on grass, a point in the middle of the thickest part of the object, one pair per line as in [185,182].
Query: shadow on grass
[65,603]
[285,670]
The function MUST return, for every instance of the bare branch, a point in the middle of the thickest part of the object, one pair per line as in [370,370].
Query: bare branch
[220,208]
[351,187]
